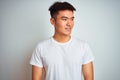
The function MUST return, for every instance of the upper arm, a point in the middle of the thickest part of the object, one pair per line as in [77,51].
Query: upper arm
[88,72]
[36,73]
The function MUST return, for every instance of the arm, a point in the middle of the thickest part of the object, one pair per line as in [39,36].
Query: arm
[88,72]
[36,73]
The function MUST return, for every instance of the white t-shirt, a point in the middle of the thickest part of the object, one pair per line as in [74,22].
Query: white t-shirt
[62,61]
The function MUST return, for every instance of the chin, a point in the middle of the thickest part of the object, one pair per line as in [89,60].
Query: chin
[67,34]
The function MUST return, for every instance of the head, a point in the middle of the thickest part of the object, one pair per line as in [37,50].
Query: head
[62,17]
[58,6]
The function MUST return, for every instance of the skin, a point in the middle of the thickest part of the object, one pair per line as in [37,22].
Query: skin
[36,73]
[88,72]
[63,24]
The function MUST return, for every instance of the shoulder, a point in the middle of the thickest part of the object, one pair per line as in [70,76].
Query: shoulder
[84,44]
[79,41]
[44,42]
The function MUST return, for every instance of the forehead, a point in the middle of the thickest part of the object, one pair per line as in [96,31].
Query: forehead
[67,13]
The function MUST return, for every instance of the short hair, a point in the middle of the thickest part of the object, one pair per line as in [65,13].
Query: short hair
[57,6]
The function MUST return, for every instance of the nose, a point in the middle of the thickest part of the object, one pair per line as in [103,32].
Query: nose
[69,22]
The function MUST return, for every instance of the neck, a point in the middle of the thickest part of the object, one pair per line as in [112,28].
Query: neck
[61,39]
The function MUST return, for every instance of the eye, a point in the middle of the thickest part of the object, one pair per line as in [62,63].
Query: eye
[64,19]
[72,19]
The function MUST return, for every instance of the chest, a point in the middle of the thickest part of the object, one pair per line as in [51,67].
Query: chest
[59,55]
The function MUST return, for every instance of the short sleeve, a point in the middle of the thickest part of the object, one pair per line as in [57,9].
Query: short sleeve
[88,55]
[36,58]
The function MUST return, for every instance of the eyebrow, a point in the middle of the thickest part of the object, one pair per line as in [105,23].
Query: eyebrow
[67,17]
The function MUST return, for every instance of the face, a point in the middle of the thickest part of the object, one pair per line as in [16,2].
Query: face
[63,22]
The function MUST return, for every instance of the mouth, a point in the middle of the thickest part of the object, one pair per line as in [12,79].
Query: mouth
[68,29]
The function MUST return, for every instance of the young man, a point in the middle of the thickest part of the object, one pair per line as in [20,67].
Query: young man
[62,57]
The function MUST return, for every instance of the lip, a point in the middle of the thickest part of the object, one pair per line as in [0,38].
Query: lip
[68,29]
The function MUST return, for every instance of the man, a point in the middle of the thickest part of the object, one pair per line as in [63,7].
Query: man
[62,57]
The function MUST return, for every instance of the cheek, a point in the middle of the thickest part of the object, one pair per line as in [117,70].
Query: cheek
[61,24]
[72,24]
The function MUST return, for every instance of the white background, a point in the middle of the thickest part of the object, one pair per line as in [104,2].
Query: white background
[24,23]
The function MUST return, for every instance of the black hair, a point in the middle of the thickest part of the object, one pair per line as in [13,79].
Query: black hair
[57,6]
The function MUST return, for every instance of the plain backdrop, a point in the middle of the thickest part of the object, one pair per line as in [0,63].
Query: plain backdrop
[23,23]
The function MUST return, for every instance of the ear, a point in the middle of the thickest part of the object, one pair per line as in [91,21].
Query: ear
[52,21]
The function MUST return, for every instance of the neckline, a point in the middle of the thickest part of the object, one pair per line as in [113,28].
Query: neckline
[65,43]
